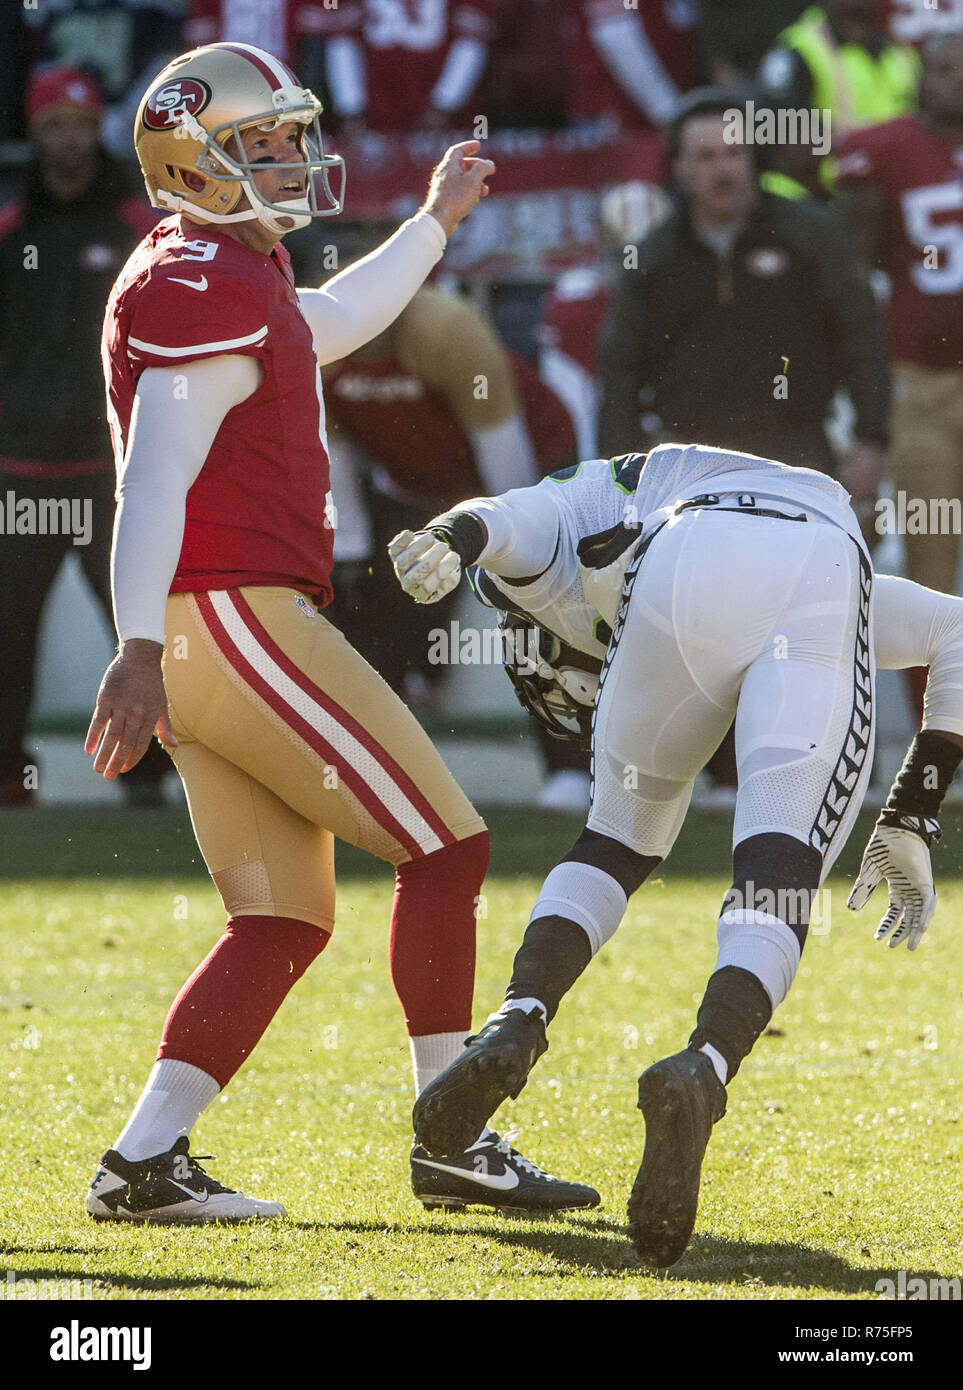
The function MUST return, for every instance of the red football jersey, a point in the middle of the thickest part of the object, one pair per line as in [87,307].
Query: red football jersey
[406,43]
[256,513]
[919,178]
[276,25]
[573,315]
[669,31]
[915,21]
[408,428]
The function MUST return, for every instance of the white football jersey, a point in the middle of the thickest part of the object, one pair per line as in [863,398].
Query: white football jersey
[532,555]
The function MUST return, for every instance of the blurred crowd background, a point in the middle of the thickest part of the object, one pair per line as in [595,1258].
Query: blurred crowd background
[642,273]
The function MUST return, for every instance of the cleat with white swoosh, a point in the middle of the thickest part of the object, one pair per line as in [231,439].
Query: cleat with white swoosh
[493,1174]
[171,1188]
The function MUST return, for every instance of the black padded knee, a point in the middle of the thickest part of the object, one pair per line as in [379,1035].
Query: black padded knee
[626,866]
[777,874]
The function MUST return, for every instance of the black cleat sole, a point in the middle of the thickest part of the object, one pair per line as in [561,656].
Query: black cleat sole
[453,1205]
[451,1114]
[679,1114]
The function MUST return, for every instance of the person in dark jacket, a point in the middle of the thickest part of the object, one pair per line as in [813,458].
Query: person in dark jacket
[742,315]
[62,243]
[735,322]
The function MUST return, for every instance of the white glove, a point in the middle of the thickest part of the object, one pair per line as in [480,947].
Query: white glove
[426,567]
[903,859]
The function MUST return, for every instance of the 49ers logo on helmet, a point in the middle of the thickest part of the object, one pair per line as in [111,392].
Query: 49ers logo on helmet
[165,106]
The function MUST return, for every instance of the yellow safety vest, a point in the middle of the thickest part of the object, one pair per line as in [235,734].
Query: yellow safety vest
[857,88]
[774,181]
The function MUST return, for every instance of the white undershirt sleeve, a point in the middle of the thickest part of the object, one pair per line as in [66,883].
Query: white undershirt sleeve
[176,415]
[359,302]
[345,70]
[462,69]
[504,455]
[627,52]
[920,627]
[523,528]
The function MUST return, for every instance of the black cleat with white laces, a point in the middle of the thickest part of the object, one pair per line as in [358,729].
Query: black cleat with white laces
[681,1098]
[454,1108]
[169,1188]
[493,1174]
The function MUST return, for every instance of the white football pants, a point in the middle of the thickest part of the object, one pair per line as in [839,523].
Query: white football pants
[761,619]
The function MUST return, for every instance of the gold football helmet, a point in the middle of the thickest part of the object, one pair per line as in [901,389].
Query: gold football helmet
[202,100]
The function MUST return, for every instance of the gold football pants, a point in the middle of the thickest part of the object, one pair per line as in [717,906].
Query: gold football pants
[288,738]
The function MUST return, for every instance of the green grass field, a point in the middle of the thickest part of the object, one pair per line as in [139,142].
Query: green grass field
[837,1165]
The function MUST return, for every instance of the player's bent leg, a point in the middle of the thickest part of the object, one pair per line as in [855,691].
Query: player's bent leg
[272,687]
[760,931]
[310,721]
[804,732]
[579,908]
[274,871]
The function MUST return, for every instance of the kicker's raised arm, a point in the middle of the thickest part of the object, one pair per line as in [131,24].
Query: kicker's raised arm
[362,300]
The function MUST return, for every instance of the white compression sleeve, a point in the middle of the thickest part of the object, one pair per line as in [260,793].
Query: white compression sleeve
[522,528]
[344,67]
[461,71]
[920,627]
[359,302]
[171,433]
[628,54]
[504,455]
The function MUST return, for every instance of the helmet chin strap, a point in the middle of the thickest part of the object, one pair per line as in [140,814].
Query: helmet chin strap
[175,203]
[278,223]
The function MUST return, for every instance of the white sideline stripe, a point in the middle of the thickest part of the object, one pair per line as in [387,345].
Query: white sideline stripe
[377,777]
[268,59]
[198,347]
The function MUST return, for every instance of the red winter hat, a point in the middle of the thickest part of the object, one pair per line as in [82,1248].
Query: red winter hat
[64,88]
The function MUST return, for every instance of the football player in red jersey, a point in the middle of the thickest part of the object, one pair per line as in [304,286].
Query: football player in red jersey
[631,62]
[283,736]
[902,188]
[395,65]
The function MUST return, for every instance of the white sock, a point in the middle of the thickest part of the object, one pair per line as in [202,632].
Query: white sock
[717,1060]
[527,1006]
[432,1053]
[175,1095]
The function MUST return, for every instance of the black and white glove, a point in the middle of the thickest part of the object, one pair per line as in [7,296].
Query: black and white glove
[426,566]
[429,562]
[899,851]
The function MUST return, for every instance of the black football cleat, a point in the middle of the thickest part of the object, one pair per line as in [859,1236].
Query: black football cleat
[493,1174]
[681,1099]
[171,1188]
[453,1109]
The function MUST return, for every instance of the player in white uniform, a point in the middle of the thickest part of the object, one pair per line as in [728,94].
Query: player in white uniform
[703,585]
